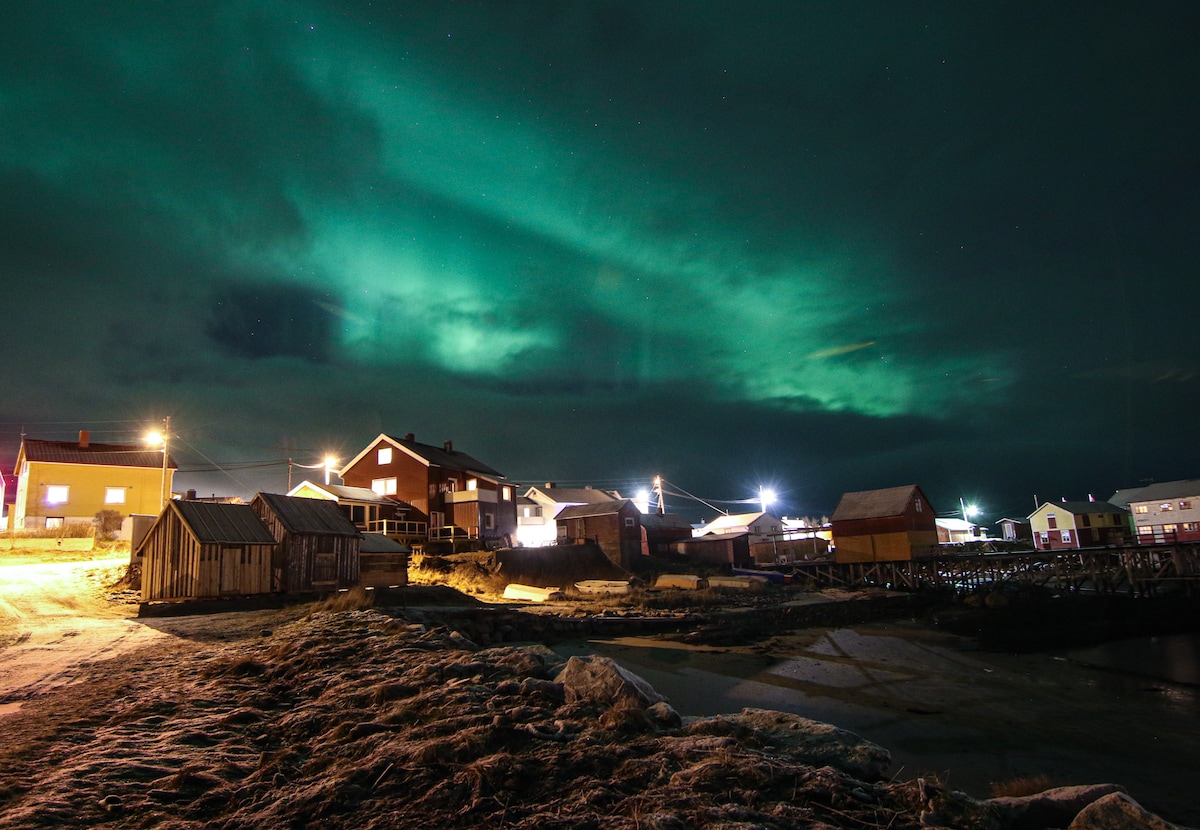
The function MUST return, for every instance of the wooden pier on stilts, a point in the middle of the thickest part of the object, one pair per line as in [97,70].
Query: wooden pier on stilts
[1135,570]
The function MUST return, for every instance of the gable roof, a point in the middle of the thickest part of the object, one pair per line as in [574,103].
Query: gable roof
[430,456]
[1081,508]
[573,495]
[342,493]
[583,511]
[108,455]
[876,504]
[303,515]
[735,523]
[216,522]
[1159,491]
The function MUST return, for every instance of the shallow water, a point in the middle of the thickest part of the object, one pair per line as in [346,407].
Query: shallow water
[943,708]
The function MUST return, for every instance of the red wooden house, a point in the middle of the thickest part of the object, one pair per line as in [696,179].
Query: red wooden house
[458,496]
[890,525]
[615,526]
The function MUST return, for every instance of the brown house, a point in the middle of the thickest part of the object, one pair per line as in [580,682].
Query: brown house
[203,549]
[890,525]
[456,495]
[318,546]
[615,526]
[732,549]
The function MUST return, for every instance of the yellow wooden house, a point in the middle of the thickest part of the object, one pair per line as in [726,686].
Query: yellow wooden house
[66,482]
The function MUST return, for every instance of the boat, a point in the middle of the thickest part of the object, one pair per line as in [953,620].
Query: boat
[686,582]
[603,586]
[531,593]
[774,577]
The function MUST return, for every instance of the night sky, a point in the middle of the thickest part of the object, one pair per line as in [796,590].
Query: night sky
[822,246]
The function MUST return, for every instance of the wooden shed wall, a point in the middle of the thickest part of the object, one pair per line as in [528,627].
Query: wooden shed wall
[307,561]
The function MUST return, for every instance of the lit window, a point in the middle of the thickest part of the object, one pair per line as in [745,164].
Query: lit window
[472,484]
[528,513]
[1185,505]
[54,521]
[1145,530]
[1065,535]
[1166,507]
[1170,528]
[384,486]
[1142,508]
[385,455]
[506,493]
[57,493]
[114,495]
[1189,527]
[919,508]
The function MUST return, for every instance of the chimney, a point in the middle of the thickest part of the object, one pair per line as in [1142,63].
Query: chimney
[191,495]
[408,436]
[449,446]
[83,439]
[549,485]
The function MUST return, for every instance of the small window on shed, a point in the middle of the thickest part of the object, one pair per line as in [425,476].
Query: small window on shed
[629,521]
[919,508]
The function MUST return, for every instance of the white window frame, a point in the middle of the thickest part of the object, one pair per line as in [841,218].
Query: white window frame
[58,493]
[506,493]
[384,456]
[384,486]
[1065,536]
[114,495]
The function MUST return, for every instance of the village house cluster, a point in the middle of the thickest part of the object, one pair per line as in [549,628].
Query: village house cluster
[398,495]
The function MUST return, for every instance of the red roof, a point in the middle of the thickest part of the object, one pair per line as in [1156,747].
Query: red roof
[109,455]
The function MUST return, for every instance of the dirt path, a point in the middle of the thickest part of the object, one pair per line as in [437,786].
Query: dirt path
[55,619]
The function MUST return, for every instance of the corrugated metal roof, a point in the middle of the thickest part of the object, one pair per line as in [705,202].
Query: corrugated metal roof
[875,504]
[1159,491]
[302,515]
[111,455]
[213,522]
[345,493]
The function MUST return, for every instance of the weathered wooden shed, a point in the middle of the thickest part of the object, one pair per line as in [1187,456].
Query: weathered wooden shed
[615,526]
[383,562]
[318,544]
[203,550]
[889,525]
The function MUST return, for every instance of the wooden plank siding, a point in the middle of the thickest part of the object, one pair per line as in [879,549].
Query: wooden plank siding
[182,561]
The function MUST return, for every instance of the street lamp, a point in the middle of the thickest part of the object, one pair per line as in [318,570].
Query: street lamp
[155,438]
[968,510]
[330,463]
[766,496]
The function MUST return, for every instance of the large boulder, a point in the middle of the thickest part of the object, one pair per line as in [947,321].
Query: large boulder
[1117,811]
[807,741]
[596,679]
[1053,808]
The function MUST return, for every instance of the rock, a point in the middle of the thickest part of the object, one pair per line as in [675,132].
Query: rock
[1117,811]
[1052,808]
[663,713]
[807,741]
[599,680]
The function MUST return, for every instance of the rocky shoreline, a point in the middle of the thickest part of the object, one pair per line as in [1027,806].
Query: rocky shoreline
[366,718]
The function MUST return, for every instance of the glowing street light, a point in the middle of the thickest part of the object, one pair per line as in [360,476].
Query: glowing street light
[766,496]
[330,464]
[156,439]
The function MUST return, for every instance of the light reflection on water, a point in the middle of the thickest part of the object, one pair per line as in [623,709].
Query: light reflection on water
[1173,659]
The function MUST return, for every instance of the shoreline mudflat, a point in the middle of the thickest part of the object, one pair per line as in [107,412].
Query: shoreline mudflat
[943,706]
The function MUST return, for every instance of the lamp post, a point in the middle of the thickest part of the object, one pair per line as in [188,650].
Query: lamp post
[766,496]
[330,463]
[968,510]
[164,438]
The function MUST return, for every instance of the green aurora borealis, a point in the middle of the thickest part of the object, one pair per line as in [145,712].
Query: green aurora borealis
[834,245]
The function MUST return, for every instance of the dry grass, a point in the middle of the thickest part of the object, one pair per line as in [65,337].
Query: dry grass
[1021,786]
